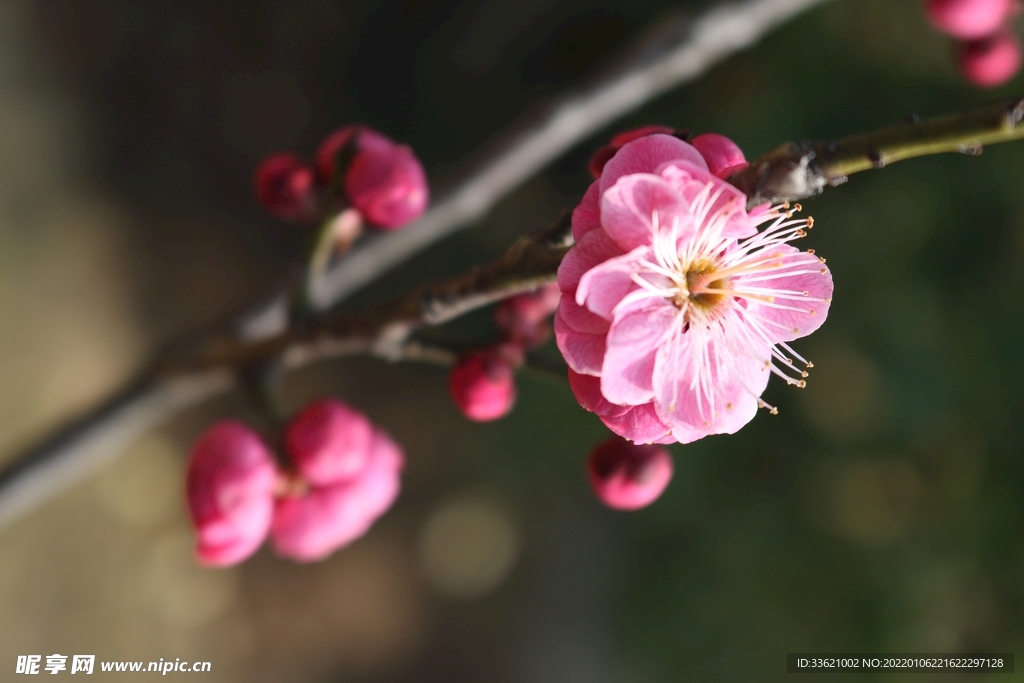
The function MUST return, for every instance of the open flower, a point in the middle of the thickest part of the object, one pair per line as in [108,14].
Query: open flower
[675,309]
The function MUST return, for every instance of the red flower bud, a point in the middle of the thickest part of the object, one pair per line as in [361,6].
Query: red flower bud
[628,476]
[383,180]
[992,61]
[724,156]
[284,187]
[524,316]
[483,386]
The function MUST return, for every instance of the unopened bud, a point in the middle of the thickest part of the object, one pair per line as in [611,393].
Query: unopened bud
[724,157]
[382,179]
[329,442]
[483,386]
[992,61]
[628,476]
[230,492]
[285,188]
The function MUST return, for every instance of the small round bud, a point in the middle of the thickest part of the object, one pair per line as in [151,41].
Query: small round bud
[312,525]
[383,180]
[724,157]
[483,386]
[329,442]
[969,19]
[628,476]
[524,316]
[230,493]
[285,188]
[604,155]
[992,61]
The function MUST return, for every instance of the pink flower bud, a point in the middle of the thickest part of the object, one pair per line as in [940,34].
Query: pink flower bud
[992,61]
[604,155]
[969,19]
[310,527]
[284,187]
[483,386]
[723,155]
[627,476]
[230,491]
[383,180]
[524,316]
[329,442]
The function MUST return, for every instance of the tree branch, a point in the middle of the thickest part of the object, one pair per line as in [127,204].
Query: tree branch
[798,170]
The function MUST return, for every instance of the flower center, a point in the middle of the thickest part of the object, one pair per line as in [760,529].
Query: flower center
[703,287]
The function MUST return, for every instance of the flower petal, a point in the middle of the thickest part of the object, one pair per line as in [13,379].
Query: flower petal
[602,287]
[580,319]
[583,352]
[792,314]
[639,424]
[587,390]
[639,329]
[692,183]
[592,249]
[631,206]
[724,400]
[587,215]
[645,154]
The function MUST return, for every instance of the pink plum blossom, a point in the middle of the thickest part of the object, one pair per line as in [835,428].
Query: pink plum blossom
[524,317]
[991,61]
[627,476]
[383,180]
[675,309]
[482,383]
[343,504]
[969,19]
[230,492]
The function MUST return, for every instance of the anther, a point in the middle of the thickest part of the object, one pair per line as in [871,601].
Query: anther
[801,384]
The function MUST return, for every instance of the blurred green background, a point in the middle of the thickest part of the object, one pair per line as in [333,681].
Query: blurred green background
[882,510]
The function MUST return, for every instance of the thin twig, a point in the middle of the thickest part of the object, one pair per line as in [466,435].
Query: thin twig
[798,170]
[385,330]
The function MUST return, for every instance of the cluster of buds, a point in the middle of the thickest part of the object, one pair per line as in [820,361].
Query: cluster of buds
[355,167]
[482,383]
[343,474]
[988,50]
